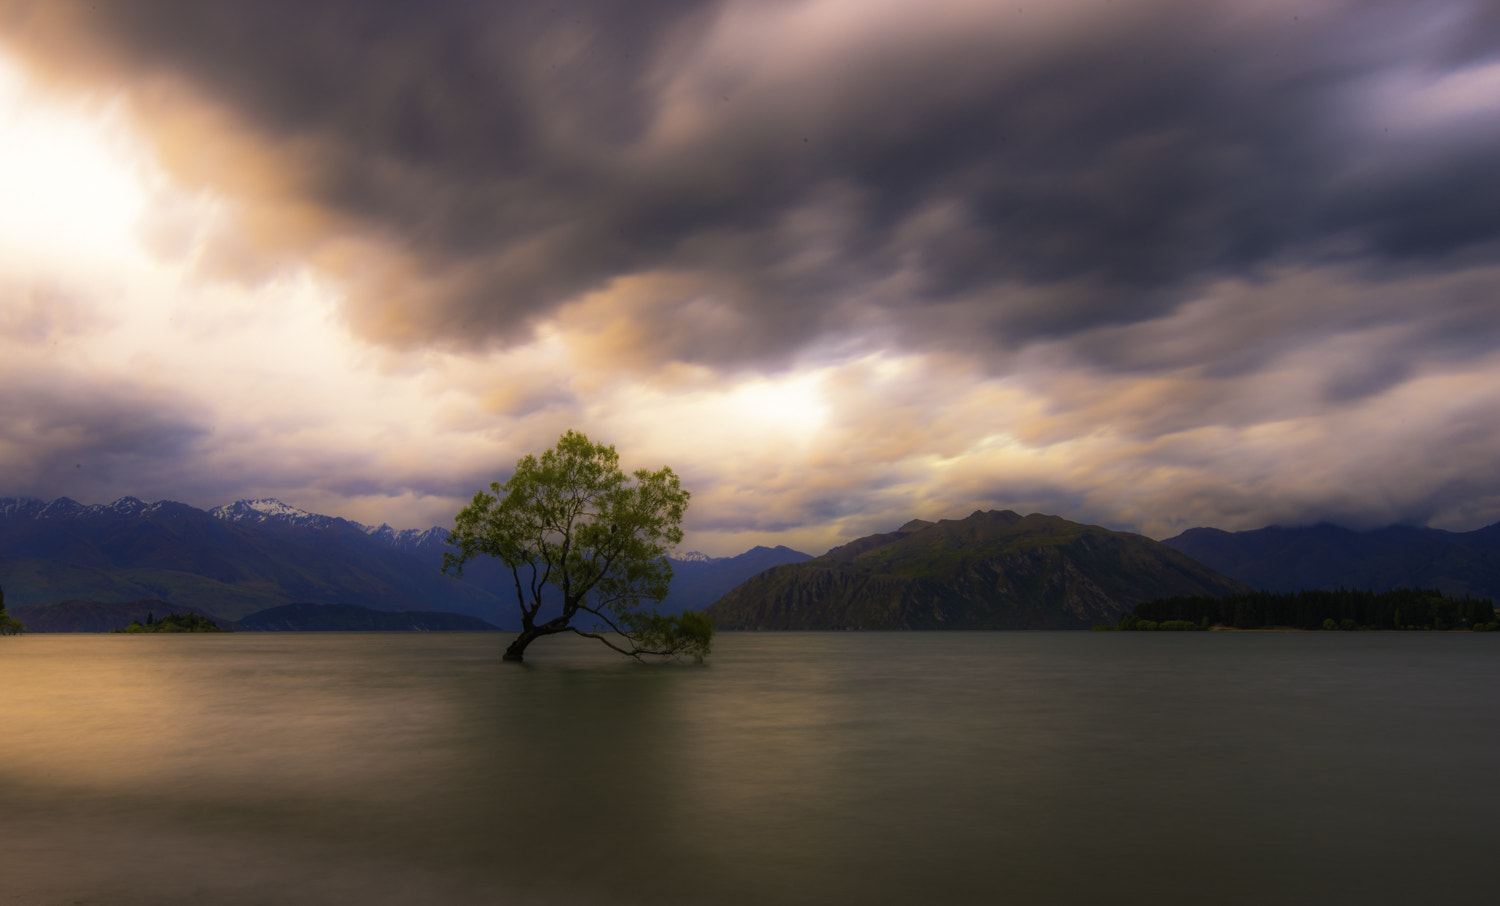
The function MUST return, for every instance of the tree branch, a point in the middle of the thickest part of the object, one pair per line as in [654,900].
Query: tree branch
[634,652]
[515,572]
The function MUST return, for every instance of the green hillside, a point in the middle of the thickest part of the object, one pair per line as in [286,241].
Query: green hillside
[993,570]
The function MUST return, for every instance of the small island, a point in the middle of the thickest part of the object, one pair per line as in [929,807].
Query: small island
[9,625]
[174,622]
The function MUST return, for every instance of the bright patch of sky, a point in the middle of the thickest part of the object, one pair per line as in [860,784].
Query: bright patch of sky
[292,404]
[1154,265]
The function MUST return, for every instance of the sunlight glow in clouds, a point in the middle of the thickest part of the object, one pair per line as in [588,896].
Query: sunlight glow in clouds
[286,401]
[267,370]
[1151,264]
[68,180]
[791,406]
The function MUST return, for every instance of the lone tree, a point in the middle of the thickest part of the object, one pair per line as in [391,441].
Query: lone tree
[572,521]
[9,625]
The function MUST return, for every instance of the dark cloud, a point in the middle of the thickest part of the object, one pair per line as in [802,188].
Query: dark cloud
[1155,263]
[62,437]
[1034,173]
[96,439]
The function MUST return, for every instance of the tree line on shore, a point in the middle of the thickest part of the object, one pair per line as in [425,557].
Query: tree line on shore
[1341,609]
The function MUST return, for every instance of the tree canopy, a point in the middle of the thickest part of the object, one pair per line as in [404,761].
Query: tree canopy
[585,541]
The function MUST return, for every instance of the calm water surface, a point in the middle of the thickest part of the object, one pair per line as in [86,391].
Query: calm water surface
[794,768]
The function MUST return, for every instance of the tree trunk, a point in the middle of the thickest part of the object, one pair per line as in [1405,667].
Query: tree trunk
[518,648]
[530,632]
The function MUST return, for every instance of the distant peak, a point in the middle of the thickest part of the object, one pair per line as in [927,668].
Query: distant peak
[260,508]
[269,509]
[916,525]
[68,508]
[693,557]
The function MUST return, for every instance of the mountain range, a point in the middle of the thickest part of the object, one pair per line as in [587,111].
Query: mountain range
[231,561]
[989,570]
[253,555]
[1328,557]
[992,570]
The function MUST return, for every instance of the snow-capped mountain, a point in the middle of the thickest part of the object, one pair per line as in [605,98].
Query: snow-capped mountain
[68,508]
[21,507]
[269,509]
[260,511]
[409,540]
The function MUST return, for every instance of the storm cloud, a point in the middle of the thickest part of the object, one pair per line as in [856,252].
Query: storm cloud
[1021,171]
[1103,230]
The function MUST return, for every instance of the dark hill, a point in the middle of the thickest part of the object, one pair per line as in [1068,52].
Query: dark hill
[99,616]
[1328,557]
[698,583]
[994,570]
[353,618]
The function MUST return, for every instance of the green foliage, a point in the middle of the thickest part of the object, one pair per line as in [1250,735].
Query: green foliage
[577,533]
[174,622]
[690,633]
[1178,626]
[9,625]
[1132,623]
[1343,609]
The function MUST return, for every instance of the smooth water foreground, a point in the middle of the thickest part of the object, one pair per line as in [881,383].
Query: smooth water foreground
[794,768]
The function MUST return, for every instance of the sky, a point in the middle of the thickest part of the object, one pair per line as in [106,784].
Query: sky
[1152,264]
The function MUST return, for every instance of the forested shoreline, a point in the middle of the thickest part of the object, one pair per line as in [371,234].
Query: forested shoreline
[1341,609]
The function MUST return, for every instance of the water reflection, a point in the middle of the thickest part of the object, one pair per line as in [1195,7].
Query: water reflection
[964,768]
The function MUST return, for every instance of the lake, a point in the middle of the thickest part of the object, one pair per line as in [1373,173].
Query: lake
[793,768]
